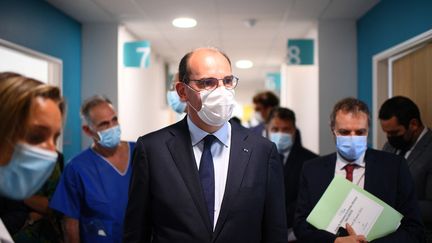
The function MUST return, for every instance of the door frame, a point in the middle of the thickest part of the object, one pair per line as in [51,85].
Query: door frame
[55,71]
[382,86]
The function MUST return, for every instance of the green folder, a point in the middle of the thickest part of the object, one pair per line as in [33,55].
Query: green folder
[339,194]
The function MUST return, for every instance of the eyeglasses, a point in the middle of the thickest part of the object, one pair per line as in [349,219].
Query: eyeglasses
[230,82]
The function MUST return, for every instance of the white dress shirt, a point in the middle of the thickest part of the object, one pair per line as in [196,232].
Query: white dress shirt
[358,172]
[4,234]
[220,150]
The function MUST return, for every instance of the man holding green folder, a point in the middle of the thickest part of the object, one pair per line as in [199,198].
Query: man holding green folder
[382,174]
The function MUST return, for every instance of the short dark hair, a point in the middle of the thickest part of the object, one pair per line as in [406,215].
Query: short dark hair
[266,98]
[90,103]
[283,114]
[351,105]
[184,69]
[402,108]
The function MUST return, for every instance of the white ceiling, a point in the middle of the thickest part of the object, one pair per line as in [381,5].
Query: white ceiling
[221,23]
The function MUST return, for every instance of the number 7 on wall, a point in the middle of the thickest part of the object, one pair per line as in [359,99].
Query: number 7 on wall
[145,55]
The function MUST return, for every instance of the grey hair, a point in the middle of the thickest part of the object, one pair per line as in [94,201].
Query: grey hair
[89,104]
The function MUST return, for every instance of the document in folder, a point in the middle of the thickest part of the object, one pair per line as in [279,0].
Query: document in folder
[344,202]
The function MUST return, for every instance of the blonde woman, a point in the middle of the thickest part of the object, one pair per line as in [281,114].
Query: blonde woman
[31,115]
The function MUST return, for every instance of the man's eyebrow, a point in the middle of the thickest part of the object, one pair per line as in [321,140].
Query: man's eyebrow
[102,123]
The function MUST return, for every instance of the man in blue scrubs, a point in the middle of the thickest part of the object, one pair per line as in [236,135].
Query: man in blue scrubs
[93,190]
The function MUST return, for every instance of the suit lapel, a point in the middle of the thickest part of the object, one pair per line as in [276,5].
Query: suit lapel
[240,153]
[180,148]
[371,174]
[420,147]
[328,171]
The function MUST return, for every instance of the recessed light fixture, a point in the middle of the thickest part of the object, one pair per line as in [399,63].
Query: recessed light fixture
[244,64]
[184,22]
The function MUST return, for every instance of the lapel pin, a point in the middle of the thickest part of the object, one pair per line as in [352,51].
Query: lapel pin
[246,150]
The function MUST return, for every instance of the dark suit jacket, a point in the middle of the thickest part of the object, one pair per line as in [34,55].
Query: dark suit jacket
[258,129]
[166,202]
[292,168]
[386,176]
[420,165]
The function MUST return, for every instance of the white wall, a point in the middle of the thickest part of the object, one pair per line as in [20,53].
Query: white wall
[141,94]
[299,92]
[99,64]
[337,72]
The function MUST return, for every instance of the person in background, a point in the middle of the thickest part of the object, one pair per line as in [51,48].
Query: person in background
[408,137]
[205,179]
[173,98]
[31,120]
[93,189]
[264,102]
[382,174]
[283,132]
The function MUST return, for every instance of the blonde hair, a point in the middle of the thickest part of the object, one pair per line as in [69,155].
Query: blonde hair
[16,96]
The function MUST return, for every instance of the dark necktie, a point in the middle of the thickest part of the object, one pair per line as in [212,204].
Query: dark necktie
[206,172]
[402,152]
[349,168]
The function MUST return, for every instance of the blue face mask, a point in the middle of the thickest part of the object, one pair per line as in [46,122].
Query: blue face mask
[110,138]
[26,172]
[283,141]
[351,147]
[174,101]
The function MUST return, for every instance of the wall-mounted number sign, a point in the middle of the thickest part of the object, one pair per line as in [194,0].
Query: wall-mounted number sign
[300,52]
[136,54]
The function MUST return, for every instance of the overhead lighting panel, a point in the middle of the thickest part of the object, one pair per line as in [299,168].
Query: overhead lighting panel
[184,22]
[244,64]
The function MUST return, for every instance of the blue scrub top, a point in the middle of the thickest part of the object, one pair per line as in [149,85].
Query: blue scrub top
[94,192]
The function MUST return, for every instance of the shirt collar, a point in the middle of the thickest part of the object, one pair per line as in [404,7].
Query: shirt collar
[197,134]
[341,162]
[420,137]
[408,152]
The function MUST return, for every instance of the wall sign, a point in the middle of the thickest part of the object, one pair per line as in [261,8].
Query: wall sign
[300,52]
[136,54]
[273,82]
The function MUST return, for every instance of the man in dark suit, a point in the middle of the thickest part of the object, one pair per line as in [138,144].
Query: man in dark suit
[407,136]
[283,132]
[384,175]
[204,179]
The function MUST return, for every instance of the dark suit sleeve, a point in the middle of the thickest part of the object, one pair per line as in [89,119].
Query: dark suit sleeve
[304,231]
[137,224]
[294,164]
[426,204]
[274,221]
[411,228]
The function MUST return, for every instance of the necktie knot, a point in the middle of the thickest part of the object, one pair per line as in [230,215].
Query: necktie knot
[349,168]
[208,141]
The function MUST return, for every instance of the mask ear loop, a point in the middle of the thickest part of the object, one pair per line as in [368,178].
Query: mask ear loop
[188,100]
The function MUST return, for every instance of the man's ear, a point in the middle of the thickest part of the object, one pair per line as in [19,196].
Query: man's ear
[414,124]
[87,130]
[181,91]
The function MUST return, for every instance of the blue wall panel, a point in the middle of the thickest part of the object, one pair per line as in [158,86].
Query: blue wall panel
[389,23]
[37,25]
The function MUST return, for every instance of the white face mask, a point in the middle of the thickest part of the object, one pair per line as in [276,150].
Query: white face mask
[217,105]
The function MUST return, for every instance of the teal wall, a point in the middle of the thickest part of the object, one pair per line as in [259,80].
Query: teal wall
[37,25]
[389,23]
